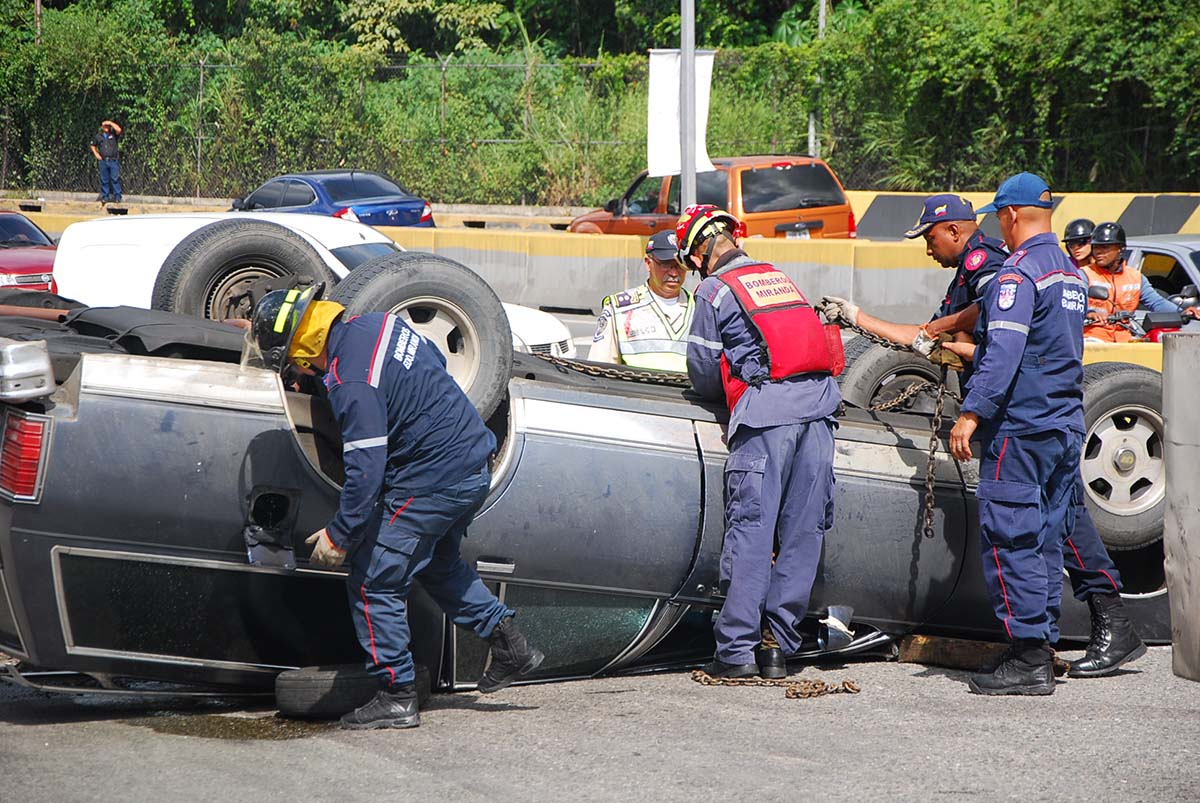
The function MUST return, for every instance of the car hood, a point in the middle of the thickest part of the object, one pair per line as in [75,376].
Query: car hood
[534,327]
[34,259]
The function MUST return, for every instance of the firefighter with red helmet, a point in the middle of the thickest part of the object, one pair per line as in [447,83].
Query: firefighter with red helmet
[756,343]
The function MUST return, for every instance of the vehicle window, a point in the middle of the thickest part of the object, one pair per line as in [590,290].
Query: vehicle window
[354,255]
[712,187]
[298,194]
[16,230]
[351,186]
[1164,272]
[268,196]
[773,189]
[642,197]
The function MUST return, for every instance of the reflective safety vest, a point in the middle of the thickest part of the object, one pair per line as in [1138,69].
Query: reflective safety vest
[646,337]
[793,338]
[1124,294]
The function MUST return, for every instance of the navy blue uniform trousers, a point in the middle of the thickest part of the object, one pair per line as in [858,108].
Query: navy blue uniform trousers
[1028,487]
[417,537]
[1088,565]
[778,480]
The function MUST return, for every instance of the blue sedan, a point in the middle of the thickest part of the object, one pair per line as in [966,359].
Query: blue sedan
[356,195]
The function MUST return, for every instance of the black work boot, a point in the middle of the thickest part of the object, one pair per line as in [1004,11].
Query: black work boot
[513,657]
[720,669]
[1028,669]
[387,709]
[771,663]
[1114,641]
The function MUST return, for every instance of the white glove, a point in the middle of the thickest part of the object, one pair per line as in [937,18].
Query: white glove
[834,308]
[923,344]
[324,552]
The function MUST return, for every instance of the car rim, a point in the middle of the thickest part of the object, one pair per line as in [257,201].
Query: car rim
[448,327]
[1123,461]
[232,296]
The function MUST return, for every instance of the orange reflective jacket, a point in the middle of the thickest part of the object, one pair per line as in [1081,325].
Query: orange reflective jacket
[1124,293]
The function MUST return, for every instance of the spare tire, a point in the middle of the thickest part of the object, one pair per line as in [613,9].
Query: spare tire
[449,305]
[875,374]
[219,271]
[1124,474]
[325,692]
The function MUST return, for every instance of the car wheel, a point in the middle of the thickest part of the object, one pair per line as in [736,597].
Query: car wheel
[875,375]
[449,305]
[221,270]
[326,692]
[1123,469]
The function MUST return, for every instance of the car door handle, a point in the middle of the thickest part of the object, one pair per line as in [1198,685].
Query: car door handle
[495,567]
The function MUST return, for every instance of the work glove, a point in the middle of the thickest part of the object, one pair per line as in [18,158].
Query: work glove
[924,343]
[944,356]
[324,552]
[838,309]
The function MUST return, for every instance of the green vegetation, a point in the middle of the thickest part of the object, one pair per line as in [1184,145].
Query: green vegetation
[518,101]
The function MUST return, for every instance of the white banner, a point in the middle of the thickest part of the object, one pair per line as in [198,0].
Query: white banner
[662,121]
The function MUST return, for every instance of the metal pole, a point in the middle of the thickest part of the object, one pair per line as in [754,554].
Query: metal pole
[814,144]
[687,103]
[200,129]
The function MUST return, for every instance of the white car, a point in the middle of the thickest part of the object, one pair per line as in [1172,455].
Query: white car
[216,265]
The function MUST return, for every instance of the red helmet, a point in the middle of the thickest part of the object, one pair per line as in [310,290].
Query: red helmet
[700,221]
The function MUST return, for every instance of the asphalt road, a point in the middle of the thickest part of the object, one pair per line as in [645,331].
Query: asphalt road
[913,733]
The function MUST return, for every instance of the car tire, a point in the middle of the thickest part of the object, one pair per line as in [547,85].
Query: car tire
[875,374]
[1123,419]
[327,692]
[207,274]
[448,304]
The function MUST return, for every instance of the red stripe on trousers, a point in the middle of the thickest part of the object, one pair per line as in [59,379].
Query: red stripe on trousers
[371,631]
[1071,544]
[401,510]
[1003,591]
[1000,459]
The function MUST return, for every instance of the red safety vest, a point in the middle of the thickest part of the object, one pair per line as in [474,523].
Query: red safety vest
[792,336]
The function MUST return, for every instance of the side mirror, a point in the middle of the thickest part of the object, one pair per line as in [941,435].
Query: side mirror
[1189,291]
[613,206]
[1098,292]
[239,203]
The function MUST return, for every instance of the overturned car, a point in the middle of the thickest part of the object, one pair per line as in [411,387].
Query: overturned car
[153,508]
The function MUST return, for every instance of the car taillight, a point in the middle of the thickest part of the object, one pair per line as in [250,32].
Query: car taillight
[346,214]
[427,214]
[853,226]
[21,456]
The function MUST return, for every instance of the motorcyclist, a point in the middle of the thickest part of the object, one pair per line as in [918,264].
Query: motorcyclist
[1077,239]
[1127,289]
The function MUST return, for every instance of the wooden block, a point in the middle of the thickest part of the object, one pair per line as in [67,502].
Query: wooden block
[951,653]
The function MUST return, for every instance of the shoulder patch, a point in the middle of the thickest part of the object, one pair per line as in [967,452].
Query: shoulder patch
[975,259]
[1008,295]
[1015,278]
[602,324]
[627,297]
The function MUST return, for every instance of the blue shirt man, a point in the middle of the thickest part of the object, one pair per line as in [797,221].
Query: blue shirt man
[1025,404]
[779,474]
[416,473]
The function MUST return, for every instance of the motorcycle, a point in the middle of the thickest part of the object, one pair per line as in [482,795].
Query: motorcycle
[1150,327]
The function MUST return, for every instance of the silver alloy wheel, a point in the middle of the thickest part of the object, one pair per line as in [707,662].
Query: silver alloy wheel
[1122,463]
[448,327]
[230,296]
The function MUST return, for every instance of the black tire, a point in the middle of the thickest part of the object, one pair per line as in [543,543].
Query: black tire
[326,692]
[1122,413]
[450,305]
[207,273]
[875,374]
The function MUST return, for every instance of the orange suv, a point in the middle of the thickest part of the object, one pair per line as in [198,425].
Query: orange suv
[775,196]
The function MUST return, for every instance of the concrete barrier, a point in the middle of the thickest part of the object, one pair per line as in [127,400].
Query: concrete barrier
[1181,527]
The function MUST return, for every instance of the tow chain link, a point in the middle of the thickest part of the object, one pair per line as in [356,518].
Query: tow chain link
[671,378]
[801,689]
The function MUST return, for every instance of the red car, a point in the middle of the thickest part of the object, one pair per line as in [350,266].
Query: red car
[26,254]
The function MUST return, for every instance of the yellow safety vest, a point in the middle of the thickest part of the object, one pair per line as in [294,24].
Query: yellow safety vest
[645,336]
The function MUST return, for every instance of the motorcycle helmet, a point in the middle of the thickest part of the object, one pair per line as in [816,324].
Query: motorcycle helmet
[1109,234]
[1078,229]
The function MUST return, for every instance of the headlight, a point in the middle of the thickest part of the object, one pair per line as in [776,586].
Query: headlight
[7,279]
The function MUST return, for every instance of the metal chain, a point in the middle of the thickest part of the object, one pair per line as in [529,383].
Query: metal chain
[931,464]
[803,688]
[874,338]
[620,372]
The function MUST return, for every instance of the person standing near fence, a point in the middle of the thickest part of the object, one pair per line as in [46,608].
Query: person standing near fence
[104,148]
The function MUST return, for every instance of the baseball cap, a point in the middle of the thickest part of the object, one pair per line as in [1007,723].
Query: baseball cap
[1023,189]
[661,246]
[939,208]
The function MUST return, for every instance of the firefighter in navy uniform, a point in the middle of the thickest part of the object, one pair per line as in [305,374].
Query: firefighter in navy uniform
[646,326]
[416,456]
[1025,405]
[953,240]
[757,344]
